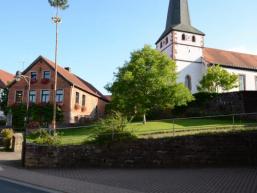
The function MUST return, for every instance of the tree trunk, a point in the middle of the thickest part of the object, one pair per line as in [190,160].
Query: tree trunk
[144,119]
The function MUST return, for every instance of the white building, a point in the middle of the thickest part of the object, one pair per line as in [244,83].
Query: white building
[185,45]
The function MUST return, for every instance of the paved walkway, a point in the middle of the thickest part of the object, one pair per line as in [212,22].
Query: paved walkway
[212,180]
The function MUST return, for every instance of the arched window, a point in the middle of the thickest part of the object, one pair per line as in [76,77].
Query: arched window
[188,82]
[193,39]
[183,37]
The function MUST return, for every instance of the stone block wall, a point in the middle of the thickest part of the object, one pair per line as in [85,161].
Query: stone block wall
[233,149]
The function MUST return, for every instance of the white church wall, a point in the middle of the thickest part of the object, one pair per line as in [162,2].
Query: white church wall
[194,70]
[250,78]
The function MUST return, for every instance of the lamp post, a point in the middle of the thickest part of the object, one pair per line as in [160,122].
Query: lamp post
[18,78]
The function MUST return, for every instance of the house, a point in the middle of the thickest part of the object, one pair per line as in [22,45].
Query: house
[77,98]
[5,79]
[185,45]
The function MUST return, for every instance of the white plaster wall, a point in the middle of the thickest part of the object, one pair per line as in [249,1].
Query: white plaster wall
[187,53]
[195,70]
[178,39]
[249,78]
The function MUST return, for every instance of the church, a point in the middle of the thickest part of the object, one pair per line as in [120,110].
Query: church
[185,45]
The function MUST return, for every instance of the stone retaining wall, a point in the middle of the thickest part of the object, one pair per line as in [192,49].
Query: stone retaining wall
[234,149]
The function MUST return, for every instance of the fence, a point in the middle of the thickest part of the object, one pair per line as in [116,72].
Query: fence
[193,125]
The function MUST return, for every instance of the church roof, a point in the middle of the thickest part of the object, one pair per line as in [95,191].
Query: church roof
[178,19]
[5,78]
[230,59]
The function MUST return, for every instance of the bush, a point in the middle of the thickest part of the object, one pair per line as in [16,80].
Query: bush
[43,136]
[7,135]
[107,137]
[19,113]
[33,125]
[112,129]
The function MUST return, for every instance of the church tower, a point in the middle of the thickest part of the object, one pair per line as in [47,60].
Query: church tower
[184,44]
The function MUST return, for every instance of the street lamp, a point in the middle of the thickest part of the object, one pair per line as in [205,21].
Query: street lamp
[18,78]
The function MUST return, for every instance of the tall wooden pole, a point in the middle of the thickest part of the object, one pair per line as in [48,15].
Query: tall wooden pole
[57,20]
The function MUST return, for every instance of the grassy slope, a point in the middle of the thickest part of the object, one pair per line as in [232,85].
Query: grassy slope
[77,136]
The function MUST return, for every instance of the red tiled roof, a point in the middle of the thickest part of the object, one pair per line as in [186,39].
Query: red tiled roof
[76,81]
[230,59]
[5,78]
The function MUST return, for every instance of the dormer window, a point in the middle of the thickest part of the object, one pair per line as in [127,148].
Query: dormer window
[183,37]
[193,39]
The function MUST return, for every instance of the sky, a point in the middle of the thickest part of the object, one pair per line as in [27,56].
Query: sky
[97,36]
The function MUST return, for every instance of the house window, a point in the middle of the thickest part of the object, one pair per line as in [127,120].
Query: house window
[45,96]
[193,39]
[77,97]
[33,76]
[188,82]
[32,96]
[47,75]
[242,82]
[161,45]
[84,100]
[59,96]
[18,96]
[183,37]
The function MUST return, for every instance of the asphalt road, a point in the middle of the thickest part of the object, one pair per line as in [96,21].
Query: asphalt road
[8,187]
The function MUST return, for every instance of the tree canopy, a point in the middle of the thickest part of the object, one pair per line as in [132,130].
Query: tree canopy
[60,4]
[146,82]
[218,78]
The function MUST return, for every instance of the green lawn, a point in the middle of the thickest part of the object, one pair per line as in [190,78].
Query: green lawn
[159,129]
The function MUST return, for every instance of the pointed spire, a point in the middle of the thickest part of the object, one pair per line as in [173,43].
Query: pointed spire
[178,19]
[178,13]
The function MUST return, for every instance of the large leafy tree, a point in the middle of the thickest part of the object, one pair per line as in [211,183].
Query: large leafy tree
[217,79]
[146,82]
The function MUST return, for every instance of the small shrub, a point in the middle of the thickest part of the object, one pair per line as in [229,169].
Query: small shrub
[7,135]
[112,129]
[43,136]
[107,137]
[33,125]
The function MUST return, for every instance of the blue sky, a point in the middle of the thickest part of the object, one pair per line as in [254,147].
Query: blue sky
[97,36]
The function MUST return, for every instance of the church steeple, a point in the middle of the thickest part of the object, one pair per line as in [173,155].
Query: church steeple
[178,13]
[178,19]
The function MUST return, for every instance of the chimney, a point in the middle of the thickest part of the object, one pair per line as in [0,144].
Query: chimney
[68,69]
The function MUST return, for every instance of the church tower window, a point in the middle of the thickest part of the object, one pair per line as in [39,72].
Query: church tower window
[188,82]
[193,39]
[166,40]
[183,37]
